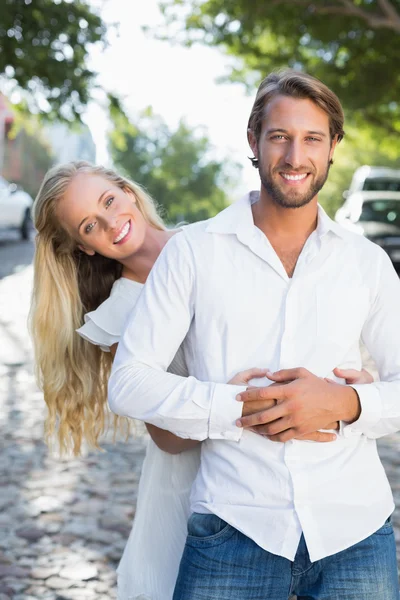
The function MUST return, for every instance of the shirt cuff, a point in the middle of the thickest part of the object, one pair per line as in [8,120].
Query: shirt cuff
[225,410]
[371,410]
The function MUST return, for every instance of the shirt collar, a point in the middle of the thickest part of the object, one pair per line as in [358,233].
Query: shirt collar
[238,218]
[326,224]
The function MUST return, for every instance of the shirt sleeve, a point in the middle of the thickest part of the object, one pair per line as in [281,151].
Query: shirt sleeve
[140,387]
[380,401]
[104,326]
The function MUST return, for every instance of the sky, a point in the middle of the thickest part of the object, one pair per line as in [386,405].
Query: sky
[177,82]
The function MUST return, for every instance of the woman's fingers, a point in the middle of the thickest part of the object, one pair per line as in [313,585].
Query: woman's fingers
[245,376]
[354,376]
[318,436]
[334,425]
[368,378]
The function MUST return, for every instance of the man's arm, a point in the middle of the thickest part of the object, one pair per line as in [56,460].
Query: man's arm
[308,402]
[165,440]
[380,401]
[139,385]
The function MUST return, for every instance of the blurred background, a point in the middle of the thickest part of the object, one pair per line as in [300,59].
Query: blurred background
[162,91]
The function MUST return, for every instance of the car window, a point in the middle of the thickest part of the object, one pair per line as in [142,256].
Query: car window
[381,185]
[381,211]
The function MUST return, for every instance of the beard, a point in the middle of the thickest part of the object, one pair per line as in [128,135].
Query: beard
[292,198]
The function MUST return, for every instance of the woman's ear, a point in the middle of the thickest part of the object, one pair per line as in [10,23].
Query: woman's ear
[87,251]
[130,194]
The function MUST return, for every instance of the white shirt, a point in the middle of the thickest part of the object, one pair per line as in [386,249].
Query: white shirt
[221,284]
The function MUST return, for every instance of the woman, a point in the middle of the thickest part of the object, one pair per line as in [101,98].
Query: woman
[98,238]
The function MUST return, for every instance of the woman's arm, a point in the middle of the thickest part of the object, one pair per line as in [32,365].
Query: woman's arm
[169,442]
[165,440]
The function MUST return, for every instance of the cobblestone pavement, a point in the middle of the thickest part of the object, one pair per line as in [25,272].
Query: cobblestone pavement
[64,523]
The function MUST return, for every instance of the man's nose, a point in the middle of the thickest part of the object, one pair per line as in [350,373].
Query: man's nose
[294,155]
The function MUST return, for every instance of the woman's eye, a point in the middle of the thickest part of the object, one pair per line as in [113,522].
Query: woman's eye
[109,201]
[89,227]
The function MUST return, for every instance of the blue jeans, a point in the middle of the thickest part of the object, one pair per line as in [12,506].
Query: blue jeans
[220,563]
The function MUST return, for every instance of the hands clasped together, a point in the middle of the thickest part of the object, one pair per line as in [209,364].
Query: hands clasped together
[298,404]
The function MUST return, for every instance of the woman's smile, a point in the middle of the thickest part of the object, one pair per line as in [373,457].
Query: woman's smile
[123,233]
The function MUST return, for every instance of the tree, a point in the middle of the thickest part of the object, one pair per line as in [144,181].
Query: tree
[174,166]
[359,147]
[44,46]
[352,45]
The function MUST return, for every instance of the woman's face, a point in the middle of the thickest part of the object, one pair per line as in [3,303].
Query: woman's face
[102,217]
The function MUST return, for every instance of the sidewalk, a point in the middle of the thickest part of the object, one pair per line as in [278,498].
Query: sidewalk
[63,523]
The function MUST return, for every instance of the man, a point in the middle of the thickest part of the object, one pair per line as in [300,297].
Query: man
[273,282]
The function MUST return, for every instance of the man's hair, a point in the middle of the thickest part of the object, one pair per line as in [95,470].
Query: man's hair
[295,84]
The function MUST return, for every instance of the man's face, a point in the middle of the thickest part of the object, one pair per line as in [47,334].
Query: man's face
[294,150]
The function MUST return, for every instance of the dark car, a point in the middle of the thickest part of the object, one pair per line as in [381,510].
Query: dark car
[376,215]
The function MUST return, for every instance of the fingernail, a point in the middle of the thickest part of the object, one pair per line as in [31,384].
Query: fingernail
[239,398]
[238,423]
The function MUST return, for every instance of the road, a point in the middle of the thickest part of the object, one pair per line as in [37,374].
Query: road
[14,253]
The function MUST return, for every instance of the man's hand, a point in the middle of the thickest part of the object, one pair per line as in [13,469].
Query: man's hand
[302,406]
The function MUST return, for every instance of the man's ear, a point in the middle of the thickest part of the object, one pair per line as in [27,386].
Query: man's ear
[251,138]
[334,142]
[86,250]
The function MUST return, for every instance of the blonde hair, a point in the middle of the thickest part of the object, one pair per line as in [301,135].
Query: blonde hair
[72,372]
[295,84]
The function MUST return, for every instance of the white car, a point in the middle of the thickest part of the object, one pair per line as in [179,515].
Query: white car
[376,215]
[15,208]
[374,179]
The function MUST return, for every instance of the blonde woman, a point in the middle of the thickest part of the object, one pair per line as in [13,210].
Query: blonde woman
[98,236]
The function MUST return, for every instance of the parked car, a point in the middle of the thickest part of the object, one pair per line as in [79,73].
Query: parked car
[377,216]
[374,179]
[15,208]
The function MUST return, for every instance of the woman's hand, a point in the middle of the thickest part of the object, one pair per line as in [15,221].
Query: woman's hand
[350,376]
[354,376]
[243,377]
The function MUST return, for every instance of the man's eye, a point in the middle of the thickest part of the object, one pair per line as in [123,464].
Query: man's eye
[313,139]
[109,201]
[89,227]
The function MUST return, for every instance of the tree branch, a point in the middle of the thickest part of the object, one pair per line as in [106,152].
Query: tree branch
[389,10]
[373,20]
[391,20]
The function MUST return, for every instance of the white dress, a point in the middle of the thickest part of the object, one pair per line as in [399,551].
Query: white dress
[150,562]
